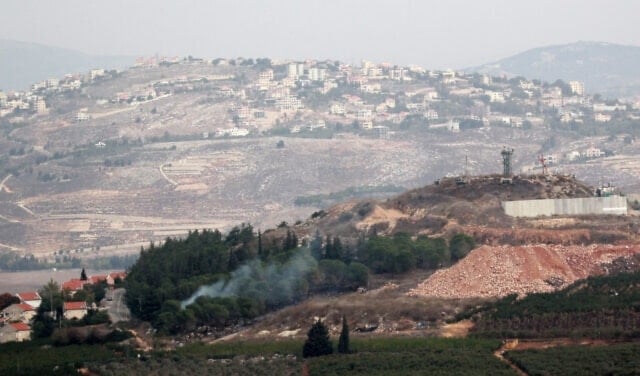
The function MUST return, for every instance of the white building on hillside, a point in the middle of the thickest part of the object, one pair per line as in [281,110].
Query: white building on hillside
[577,87]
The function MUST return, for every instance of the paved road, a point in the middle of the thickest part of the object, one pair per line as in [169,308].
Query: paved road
[117,309]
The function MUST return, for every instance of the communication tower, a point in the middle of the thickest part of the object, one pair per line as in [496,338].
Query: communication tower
[506,161]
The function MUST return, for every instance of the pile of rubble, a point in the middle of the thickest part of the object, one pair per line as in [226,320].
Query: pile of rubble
[495,271]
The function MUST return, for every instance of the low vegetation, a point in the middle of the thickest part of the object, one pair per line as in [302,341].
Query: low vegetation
[369,356]
[597,307]
[613,359]
[346,194]
[40,358]
[414,356]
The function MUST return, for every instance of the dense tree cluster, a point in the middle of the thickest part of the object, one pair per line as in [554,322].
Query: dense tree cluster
[209,278]
[177,268]
[400,253]
[242,274]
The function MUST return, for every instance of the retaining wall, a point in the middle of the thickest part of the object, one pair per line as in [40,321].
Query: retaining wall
[616,205]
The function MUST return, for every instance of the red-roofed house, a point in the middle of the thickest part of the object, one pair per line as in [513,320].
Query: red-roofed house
[74,310]
[32,298]
[95,279]
[15,332]
[111,277]
[21,312]
[73,285]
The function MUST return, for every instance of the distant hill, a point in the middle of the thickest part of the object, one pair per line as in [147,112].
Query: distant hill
[612,70]
[23,63]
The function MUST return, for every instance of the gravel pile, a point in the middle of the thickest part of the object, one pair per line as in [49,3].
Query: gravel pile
[496,271]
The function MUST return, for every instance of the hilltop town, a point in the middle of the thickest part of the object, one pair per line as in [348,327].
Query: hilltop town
[102,162]
[257,97]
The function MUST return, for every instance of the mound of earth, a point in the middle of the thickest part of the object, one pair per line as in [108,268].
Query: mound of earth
[496,271]
[488,189]
[472,205]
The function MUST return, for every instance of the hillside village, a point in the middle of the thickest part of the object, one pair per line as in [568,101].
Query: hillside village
[254,97]
[17,319]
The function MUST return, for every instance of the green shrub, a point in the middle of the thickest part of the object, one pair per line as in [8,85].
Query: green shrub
[318,342]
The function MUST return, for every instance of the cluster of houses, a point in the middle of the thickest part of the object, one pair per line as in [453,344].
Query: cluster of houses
[32,101]
[410,91]
[16,319]
[375,96]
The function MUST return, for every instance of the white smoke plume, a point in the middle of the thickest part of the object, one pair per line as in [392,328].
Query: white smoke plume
[283,276]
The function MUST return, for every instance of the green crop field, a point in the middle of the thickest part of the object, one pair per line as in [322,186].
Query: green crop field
[616,359]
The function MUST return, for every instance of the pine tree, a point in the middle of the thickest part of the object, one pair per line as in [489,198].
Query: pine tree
[343,342]
[287,241]
[316,246]
[337,248]
[347,254]
[318,342]
[83,275]
[328,248]
[259,243]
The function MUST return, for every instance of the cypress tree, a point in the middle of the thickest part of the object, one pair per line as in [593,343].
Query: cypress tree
[287,241]
[316,246]
[83,275]
[343,342]
[337,248]
[328,248]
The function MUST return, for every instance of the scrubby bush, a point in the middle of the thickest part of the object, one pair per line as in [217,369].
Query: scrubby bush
[318,342]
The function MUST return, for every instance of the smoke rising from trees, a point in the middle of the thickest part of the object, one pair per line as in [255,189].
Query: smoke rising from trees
[273,281]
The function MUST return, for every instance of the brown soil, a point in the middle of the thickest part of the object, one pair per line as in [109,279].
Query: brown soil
[555,342]
[458,329]
[380,215]
[498,271]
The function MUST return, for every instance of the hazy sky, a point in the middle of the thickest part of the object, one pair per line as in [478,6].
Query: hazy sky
[434,34]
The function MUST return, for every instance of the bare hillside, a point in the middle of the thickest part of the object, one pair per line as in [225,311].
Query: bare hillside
[473,206]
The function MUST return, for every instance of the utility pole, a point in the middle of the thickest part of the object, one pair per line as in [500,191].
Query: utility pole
[466,166]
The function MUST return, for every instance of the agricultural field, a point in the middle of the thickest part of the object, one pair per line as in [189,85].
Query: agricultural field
[612,359]
[371,356]
[596,307]
[39,357]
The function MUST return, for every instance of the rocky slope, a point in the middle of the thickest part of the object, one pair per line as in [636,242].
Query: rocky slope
[474,208]
[498,271]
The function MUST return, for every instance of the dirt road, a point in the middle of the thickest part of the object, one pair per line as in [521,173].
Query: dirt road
[117,309]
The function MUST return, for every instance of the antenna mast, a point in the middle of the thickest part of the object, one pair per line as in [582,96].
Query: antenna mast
[466,165]
[506,161]
[543,163]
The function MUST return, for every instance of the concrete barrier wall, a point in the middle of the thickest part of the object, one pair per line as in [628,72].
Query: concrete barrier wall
[616,205]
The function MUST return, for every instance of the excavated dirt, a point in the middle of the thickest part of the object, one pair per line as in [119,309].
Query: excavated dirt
[495,271]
